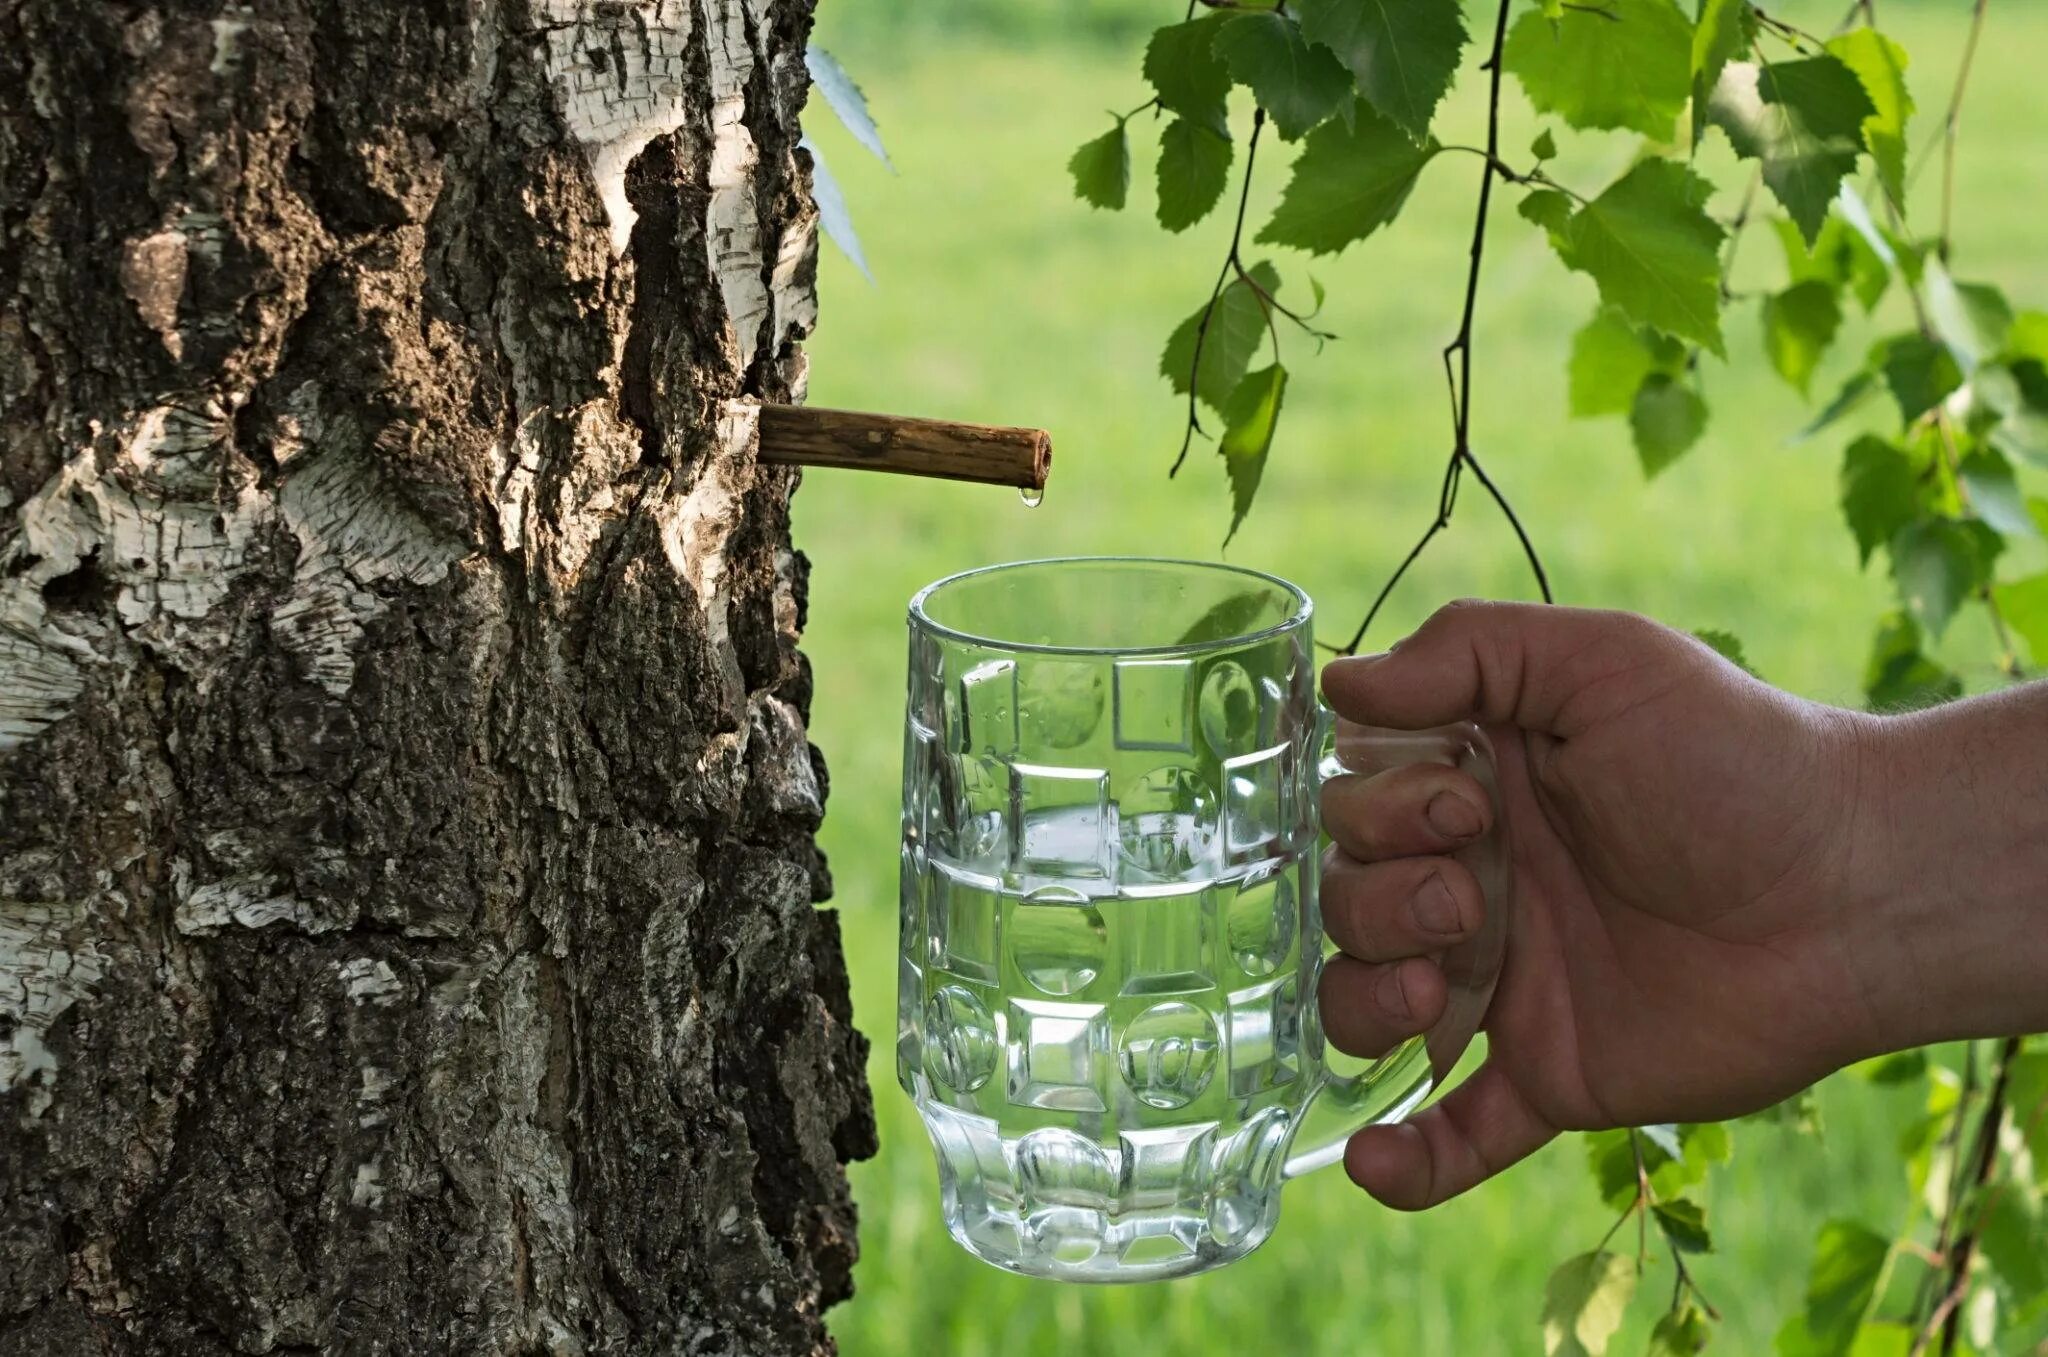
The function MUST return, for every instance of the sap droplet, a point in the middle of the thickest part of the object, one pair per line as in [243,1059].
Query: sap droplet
[1032,498]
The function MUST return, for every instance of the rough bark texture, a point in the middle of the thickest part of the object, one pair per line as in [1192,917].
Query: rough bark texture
[407,939]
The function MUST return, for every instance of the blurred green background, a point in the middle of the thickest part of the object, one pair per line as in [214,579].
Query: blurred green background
[999,298]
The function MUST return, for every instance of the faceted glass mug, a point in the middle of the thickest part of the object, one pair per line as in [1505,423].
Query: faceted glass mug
[1110,938]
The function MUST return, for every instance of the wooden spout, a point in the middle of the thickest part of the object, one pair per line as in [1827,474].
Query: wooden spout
[802,435]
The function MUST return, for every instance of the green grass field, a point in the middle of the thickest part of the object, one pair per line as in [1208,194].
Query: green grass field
[1002,299]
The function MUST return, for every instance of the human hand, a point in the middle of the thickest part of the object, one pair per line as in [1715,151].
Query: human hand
[1683,840]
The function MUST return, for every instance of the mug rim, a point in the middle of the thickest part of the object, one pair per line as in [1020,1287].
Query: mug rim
[1304,608]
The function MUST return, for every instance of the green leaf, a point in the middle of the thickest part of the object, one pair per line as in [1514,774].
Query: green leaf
[1612,1162]
[1610,358]
[1251,416]
[1799,324]
[1880,492]
[2028,1089]
[1880,64]
[1190,79]
[1102,169]
[1194,164]
[1584,1302]
[1725,28]
[1900,1067]
[1298,83]
[2012,1238]
[2017,395]
[1847,1259]
[1544,147]
[1706,1142]
[1973,319]
[1995,493]
[1899,677]
[1840,257]
[1402,52]
[1920,373]
[1650,247]
[1685,1225]
[1236,329]
[845,100]
[1549,209]
[1347,183]
[1853,393]
[1622,63]
[1939,562]
[1664,1135]
[2024,605]
[1800,1112]
[1728,646]
[1803,120]
[1682,1332]
[2028,337]
[1666,418]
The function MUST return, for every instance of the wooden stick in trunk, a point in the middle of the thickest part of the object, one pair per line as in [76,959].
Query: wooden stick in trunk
[804,435]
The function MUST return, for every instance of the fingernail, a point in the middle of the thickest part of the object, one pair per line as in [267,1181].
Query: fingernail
[1453,816]
[1436,909]
[1393,1000]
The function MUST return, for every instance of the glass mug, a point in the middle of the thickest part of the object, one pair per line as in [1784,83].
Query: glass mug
[1110,941]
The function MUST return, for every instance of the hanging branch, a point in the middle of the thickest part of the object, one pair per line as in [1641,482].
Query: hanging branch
[1231,262]
[1458,368]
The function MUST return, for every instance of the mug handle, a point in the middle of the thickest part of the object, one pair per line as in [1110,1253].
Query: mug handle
[1393,1085]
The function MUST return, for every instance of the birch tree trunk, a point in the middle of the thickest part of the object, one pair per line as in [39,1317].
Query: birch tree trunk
[407,940]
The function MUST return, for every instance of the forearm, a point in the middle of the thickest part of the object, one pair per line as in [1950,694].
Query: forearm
[1950,906]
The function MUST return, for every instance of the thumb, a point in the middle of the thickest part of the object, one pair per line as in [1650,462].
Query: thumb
[1500,663]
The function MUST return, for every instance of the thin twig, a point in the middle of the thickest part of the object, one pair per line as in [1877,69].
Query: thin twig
[1986,1162]
[1230,261]
[1458,362]
[1954,121]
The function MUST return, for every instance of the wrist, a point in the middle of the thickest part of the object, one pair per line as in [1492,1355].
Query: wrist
[1942,930]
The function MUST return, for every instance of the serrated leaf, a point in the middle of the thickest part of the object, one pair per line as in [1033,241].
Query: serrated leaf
[1610,358]
[1297,82]
[1919,372]
[1728,646]
[833,217]
[1612,1162]
[1102,169]
[1252,415]
[1549,209]
[1937,563]
[1880,64]
[1685,1225]
[1682,1332]
[1803,120]
[1403,53]
[1725,28]
[845,100]
[1846,1261]
[1799,324]
[1622,63]
[1347,183]
[1186,74]
[1194,166]
[1650,247]
[2024,605]
[1235,331]
[1583,1303]
[1995,493]
[1901,678]
[1666,418]
[1545,146]
[1880,492]
[1973,319]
